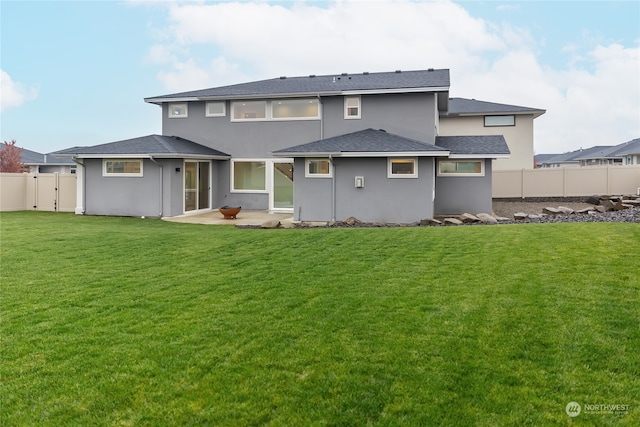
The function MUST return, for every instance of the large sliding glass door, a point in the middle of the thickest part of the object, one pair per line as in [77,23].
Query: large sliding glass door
[197,185]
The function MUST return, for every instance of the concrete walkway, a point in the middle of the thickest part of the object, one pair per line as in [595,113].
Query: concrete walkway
[245,217]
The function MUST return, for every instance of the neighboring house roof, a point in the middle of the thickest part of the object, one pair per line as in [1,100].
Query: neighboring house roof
[489,146]
[617,151]
[334,84]
[572,156]
[364,143]
[473,107]
[145,146]
[33,158]
[542,158]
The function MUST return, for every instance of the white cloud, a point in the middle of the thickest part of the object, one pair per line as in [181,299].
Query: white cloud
[594,100]
[12,93]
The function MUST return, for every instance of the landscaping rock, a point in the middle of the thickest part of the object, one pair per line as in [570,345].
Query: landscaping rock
[352,220]
[486,218]
[468,218]
[586,210]
[453,221]
[600,208]
[551,211]
[520,216]
[593,200]
[273,223]
[565,210]
[430,221]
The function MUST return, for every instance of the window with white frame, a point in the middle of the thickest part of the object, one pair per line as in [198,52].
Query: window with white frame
[248,176]
[305,108]
[249,110]
[318,168]
[508,120]
[402,168]
[215,109]
[352,107]
[178,110]
[122,167]
[461,168]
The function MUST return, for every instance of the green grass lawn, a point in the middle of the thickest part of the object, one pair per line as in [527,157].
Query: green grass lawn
[124,321]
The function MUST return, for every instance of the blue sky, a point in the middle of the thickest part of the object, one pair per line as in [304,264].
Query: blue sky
[76,72]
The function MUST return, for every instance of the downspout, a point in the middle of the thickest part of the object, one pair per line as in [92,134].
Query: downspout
[333,189]
[161,183]
[83,172]
[321,116]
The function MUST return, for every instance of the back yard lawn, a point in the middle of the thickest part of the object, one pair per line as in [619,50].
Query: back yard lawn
[124,321]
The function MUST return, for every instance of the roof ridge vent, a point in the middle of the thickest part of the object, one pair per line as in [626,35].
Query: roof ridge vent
[312,75]
[366,73]
[283,77]
[398,71]
[430,69]
[344,74]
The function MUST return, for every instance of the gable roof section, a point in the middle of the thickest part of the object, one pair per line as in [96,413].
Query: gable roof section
[472,107]
[572,156]
[475,146]
[617,151]
[145,146]
[34,158]
[364,143]
[334,84]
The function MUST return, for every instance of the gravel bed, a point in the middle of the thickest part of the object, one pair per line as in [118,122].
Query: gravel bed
[506,209]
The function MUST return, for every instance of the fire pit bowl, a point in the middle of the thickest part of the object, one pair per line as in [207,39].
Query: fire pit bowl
[229,212]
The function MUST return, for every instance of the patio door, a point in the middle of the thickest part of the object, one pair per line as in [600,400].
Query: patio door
[282,186]
[197,185]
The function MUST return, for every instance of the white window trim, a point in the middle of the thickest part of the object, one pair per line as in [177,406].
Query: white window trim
[186,110]
[390,173]
[499,125]
[122,175]
[224,109]
[469,175]
[346,109]
[287,119]
[232,178]
[257,119]
[308,174]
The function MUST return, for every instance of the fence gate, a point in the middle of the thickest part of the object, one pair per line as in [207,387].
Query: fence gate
[53,192]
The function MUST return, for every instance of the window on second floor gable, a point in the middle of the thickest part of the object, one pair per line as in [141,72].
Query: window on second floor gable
[249,110]
[178,110]
[352,107]
[508,120]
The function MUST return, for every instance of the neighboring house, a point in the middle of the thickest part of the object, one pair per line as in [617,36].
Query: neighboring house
[625,154]
[570,159]
[539,159]
[46,163]
[368,145]
[515,123]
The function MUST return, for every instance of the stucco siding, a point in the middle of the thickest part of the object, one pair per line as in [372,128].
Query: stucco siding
[382,199]
[519,138]
[457,195]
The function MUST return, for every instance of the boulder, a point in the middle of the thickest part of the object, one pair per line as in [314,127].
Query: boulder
[486,218]
[454,221]
[468,218]
[593,200]
[352,220]
[586,210]
[272,223]
[565,210]
[600,208]
[430,221]
[519,216]
[551,211]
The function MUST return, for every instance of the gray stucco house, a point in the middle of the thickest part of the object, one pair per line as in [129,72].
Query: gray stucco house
[321,147]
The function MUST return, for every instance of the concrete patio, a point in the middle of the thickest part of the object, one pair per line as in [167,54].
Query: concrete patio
[245,217]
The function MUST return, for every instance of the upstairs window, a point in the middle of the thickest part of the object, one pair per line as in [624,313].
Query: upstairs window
[295,109]
[509,120]
[352,107]
[178,110]
[122,167]
[215,109]
[402,168]
[249,110]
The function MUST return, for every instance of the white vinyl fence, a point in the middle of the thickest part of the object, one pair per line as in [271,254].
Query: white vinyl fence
[566,182]
[54,192]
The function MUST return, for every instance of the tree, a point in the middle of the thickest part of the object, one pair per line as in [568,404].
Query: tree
[11,158]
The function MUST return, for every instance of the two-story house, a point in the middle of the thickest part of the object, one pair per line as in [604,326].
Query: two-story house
[321,147]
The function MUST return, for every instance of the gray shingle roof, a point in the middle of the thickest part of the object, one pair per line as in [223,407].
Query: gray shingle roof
[480,145]
[464,106]
[572,156]
[322,85]
[617,151]
[152,145]
[34,158]
[368,141]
